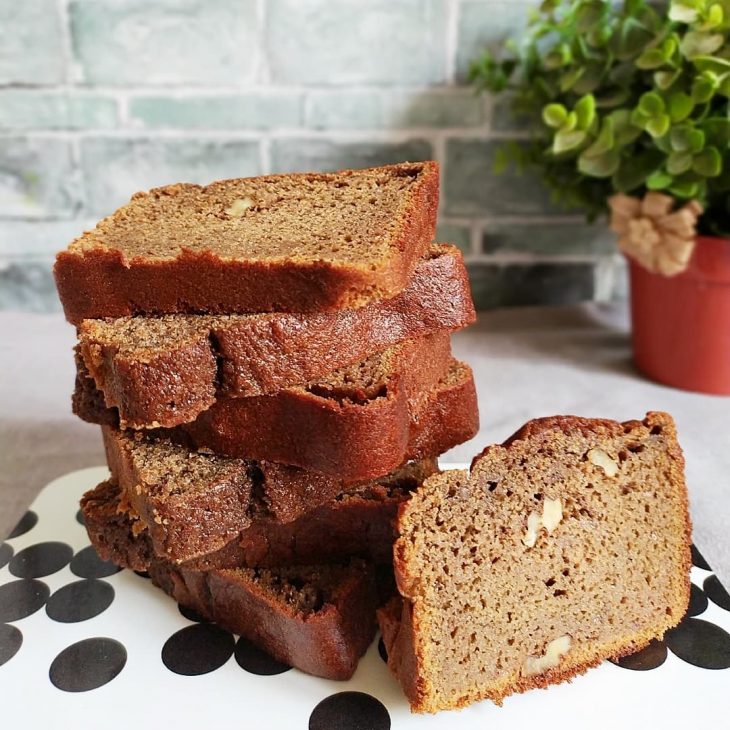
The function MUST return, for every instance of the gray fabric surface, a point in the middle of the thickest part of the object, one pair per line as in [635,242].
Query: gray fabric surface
[527,363]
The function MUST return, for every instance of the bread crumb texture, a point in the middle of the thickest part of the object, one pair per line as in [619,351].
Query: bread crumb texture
[567,545]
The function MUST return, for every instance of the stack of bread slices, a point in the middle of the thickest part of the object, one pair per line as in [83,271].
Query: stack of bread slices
[269,360]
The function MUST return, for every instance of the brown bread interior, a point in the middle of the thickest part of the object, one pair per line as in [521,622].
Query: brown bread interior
[567,545]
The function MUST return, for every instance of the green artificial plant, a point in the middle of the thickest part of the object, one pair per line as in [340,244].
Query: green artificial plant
[625,98]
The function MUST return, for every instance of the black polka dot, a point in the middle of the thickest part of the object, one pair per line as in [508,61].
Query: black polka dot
[698,561]
[6,552]
[80,518]
[192,615]
[87,564]
[41,559]
[27,522]
[697,601]
[716,592]
[197,649]
[700,643]
[382,650]
[80,601]
[21,598]
[257,661]
[88,664]
[11,639]
[650,657]
[349,711]
[142,573]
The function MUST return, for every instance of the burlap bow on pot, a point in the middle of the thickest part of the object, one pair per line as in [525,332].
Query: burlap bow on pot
[658,238]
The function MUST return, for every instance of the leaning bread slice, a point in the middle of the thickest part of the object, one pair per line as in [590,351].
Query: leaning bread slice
[357,524]
[318,618]
[565,546]
[289,243]
[192,505]
[169,369]
[361,423]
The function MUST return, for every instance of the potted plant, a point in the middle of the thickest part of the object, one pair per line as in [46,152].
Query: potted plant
[629,104]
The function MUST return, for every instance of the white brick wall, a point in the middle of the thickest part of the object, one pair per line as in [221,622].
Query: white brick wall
[100,98]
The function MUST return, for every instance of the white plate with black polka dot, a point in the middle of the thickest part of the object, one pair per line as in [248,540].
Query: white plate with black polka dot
[84,644]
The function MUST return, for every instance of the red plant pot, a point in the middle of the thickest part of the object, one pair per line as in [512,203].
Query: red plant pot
[681,324]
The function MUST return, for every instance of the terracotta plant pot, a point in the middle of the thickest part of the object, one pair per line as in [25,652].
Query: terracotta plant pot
[681,324]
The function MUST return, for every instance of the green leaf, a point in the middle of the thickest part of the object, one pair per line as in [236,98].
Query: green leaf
[570,78]
[711,63]
[708,163]
[696,43]
[664,79]
[634,171]
[713,18]
[686,139]
[724,88]
[565,141]
[696,140]
[650,58]
[547,6]
[612,98]
[670,46]
[588,15]
[680,106]
[651,104]
[679,162]
[554,115]
[599,165]
[658,126]
[585,110]
[624,130]
[570,122]
[591,78]
[686,188]
[703,87]
[632,38]
[623,74]
[682,13]
[659,180]
[599,36]
[717,132]
[604,141]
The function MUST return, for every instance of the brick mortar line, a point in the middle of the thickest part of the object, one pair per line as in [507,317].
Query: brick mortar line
[531,220]
[451,38]
[335,135]
[509,258]
[262,69]
[237,89]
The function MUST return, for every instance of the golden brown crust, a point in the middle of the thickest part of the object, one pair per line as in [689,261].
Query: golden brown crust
[95,282]
[407,640]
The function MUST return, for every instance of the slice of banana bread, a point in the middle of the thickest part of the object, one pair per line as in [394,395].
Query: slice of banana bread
[320,619]
[356,427]
[169,369]
[195,504]
[287,243]
[565,546]
[354,524]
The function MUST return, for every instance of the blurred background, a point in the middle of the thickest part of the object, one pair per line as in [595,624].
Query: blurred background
[101,98]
